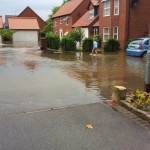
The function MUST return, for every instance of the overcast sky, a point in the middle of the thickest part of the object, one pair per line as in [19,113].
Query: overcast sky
[41,7]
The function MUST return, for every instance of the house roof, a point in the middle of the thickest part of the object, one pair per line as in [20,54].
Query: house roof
[23,23]
[28,12]
[96,24]
[84,21]
[67,8]
[95,2]
[1,22]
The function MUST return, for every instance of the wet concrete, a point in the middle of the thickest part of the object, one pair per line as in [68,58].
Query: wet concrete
[31,79]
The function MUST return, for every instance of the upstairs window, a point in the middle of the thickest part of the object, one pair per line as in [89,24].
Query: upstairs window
[67,20]
[115,33]
[91,13]
[106,8]
[55,22]
[116,7]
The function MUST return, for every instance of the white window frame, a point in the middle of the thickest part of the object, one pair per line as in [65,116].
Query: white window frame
[116,7]
[55,22]
[115,34]
[91,14]
[67,21]
[106,34]
[95,31]
[61,20]
[106,8]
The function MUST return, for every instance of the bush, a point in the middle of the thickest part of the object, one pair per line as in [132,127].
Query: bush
[112,45]
[53,41]
[127,42]
[68,44]
[87,45]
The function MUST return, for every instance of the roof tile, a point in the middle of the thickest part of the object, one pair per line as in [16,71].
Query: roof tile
[23,23]
[67,8]
[84,21]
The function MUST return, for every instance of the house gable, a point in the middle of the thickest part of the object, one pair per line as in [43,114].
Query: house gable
[28,12]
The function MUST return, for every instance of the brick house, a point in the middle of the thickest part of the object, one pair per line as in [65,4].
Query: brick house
[1,26]
[26,31]
[28,12]
[67,15]
[124,19]
[89,21]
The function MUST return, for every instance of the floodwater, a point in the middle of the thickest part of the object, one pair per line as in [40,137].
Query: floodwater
[32,80]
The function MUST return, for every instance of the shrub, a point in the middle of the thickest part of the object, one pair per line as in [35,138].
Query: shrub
[68,44]
[7,33]
[112,45]
[127,42]
[53,41]
[87,45]
[140,100]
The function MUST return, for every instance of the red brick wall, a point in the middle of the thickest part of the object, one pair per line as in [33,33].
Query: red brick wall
[115,20]
[28,12]
[76,14]
[140,19]
[132,22]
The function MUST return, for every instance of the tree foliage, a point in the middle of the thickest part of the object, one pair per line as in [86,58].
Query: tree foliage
[6,33]
[76,34]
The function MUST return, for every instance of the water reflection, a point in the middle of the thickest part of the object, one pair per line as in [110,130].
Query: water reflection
[63,78]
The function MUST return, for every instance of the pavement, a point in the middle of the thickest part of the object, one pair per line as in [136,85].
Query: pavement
[66,129]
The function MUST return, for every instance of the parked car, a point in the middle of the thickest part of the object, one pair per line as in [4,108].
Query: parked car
[138,47]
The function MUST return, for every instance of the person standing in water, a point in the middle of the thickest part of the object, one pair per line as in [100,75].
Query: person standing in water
[95,45]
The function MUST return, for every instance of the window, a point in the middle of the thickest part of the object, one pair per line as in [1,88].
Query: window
[105,34]
[67,20]
[115,33]
[91,13]
[95,31]
[116,7]
[60,20]
[147,42]
[107,8]
[55,22]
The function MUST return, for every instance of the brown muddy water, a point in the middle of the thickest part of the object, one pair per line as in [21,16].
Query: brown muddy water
[33,80]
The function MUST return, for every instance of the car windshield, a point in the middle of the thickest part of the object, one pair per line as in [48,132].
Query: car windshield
[137,41]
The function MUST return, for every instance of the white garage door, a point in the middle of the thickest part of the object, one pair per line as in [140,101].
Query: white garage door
[25,38]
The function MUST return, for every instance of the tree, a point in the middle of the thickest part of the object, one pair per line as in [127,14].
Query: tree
[76,34]
[7,33]
[49,27]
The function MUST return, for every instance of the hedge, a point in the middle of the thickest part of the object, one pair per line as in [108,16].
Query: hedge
[53,41]
[112,45]
[68,44]
[87,45]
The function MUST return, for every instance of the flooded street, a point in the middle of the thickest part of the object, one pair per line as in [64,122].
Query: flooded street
[32,80]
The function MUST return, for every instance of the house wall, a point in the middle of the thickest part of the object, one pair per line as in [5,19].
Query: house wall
[25,38]
[121,21]
[28,12]
[76,14]
[140,20]
[132,22]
